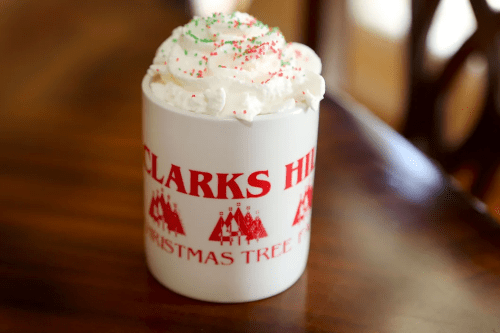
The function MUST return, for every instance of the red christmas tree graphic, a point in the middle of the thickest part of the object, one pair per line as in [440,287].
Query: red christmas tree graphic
[305,204]
[163,214]
[237,226]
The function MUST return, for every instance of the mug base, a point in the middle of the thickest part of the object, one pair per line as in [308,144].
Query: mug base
[224,296]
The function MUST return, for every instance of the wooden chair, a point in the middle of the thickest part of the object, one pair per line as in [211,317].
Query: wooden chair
[426,93]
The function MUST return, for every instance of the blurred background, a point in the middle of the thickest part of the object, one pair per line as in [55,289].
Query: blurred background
[64,61]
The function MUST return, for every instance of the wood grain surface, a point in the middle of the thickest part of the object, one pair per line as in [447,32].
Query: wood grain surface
[394,246]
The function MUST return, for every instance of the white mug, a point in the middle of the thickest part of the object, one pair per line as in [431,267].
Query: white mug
[227,203]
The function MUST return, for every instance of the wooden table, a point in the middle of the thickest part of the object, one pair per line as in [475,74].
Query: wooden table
[394,246]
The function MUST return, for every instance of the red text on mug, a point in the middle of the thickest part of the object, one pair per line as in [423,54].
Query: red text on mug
[201,183]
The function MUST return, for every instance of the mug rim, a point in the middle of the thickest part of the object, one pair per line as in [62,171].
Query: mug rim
[147,92]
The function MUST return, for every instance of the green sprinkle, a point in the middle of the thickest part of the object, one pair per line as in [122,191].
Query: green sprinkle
[200,62]
[179,68]
[190,34]
[196,54]
[186,52]
[174,40]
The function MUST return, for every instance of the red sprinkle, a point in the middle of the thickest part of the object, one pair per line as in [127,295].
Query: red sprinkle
[234,112]
[177,59]
[244,111]
[193,95]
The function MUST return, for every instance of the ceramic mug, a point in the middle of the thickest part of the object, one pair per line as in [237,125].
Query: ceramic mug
[227,203]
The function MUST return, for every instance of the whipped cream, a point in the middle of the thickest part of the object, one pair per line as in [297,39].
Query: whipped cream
[234,65]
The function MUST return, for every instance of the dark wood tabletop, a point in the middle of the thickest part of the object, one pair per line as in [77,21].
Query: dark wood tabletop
[395,246]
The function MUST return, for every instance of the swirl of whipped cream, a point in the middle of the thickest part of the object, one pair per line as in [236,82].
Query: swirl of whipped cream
[234,65]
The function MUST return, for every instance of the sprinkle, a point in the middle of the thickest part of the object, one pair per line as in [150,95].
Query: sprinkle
[193,95]
[186,52]
[303,92]
[234,112]
[245,111]
[177,59]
